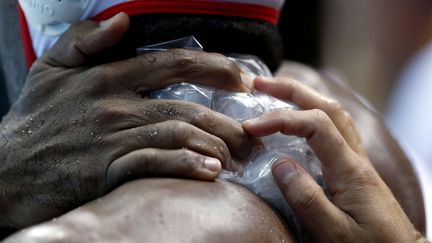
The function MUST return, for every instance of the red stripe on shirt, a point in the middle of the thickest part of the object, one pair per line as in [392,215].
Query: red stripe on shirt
[206,7]
[29,52]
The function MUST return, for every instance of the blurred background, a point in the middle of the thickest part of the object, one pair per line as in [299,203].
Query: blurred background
[367,42]
[384,50]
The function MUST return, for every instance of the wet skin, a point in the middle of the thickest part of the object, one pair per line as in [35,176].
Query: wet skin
[166,210]
[208,211]
[383,152]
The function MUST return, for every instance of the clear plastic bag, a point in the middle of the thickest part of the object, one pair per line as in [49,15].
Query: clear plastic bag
[256,174]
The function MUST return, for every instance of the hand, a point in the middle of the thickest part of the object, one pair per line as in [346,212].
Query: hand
[361,207]
[77,130]
[387,157]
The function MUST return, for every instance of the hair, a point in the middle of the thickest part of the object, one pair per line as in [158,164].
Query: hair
[216,34]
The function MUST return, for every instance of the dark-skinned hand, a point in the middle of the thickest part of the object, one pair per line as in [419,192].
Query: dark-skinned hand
[79,130]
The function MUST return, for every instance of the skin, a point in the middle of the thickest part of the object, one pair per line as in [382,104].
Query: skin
[68,106]
[383,150]
[138,159]
[360,207]
[166,210]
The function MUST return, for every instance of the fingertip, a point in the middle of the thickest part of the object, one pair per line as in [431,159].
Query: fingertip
[108,34]
[247,124]
[260,83]
[259,127]
[252,122]
[112,30]
[121,19]
[213,165]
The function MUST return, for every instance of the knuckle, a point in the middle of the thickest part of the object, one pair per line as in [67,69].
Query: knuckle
[106,110]
[147,160]
[306,199]
[169,110]
[188,160]
[333,105]
[200,116]
[102,76]
[365,175]
[223,150]
[321,117]
[180,126]
[94,82]
[279,113]
[229,68]
[183,131]
[185,62]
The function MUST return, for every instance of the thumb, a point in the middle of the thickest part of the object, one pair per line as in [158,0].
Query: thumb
[86,38]
[307,199]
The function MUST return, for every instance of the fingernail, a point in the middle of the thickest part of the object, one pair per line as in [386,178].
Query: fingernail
[284,170]
[265,79]
[109,21]
[252,121]
[213,164]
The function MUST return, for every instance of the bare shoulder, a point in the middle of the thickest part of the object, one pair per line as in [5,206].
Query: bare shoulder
[166,210]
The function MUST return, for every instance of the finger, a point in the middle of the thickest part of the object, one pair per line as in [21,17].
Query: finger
[322,136]
[134,113]
[308,98]
[170,134]
[308,200]
[86,38]
[160,69]
[157,163]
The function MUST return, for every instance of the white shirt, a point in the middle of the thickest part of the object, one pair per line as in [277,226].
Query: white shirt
[410,120]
